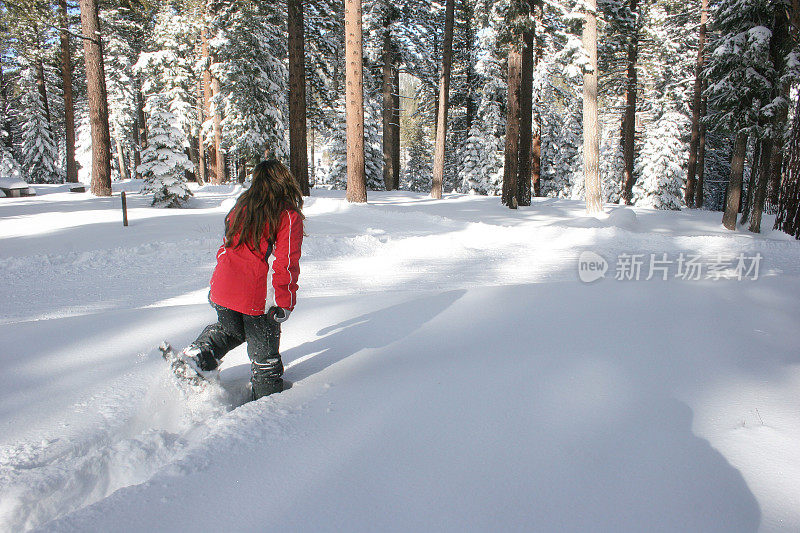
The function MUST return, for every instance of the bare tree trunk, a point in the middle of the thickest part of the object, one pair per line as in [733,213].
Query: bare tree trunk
[312,160]
[298,150]
[694,145]
[788,216]
[98,99]
[356,179]
[734,194]
[758,162]
[525,119]
[241,168]
[211,166]
[510,167]
[140,131]
[201,148]
[444,102]
[221,167]
[777,45]
[760,190]
[123,165]
[629,123]
[69,101]
[388,111]
[396,125]
[701,159]
[591,123]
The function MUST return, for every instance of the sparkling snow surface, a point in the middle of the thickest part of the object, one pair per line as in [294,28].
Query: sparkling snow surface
[451,372]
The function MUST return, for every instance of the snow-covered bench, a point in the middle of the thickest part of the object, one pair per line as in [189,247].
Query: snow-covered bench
[14,188]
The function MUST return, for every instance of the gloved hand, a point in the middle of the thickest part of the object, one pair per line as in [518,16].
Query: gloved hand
[279,314]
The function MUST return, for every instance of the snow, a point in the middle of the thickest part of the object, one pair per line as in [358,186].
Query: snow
[13,183]
[451,372]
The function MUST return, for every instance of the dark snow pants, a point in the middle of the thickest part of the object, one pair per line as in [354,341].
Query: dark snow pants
[262,335]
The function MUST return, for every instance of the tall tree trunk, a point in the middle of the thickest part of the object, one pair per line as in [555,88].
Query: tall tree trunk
[629,124]
[734,194]
[141,126]
[354,61]
[511,165]
[444,102]
[760,190]
[69,101]
[241,168]
[388,111]
[211,166]
[777,46]
[201,148]
[694,145]
[98,99]
[298,150]
[758,162]
[788,216]
[536,143]
[701,159]
[591,123]
[312,160]
[221,167]
[525,119]
[121,163]
[396,123]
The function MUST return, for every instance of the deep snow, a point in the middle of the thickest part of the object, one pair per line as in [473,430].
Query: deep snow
[451,372]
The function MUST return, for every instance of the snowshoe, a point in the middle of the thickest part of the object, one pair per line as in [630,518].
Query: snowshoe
[184,367]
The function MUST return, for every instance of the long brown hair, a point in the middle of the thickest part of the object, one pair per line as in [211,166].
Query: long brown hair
[272,191]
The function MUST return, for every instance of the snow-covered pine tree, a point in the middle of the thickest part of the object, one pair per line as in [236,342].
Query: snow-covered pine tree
[739,71]
[373,134]
[40,153]
[164,160]
[483,150]
[661,163]
[418,170]
[9,168]
[250,48]
[169,69]
[125,28]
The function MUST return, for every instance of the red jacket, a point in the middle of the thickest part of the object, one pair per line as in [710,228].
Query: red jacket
[251,282]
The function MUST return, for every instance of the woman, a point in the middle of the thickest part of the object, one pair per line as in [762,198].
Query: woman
[254,284]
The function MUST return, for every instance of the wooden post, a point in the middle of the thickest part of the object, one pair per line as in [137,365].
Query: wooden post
[124,210]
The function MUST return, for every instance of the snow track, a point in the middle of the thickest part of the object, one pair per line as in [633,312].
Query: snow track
[128,432]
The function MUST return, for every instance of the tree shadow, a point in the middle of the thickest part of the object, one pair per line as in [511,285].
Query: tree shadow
[339,341]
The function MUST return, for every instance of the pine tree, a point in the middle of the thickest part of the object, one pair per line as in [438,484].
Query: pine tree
[9,168]
[249,50]
[40,153]
[483,150]
[661,163]
[164,161]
